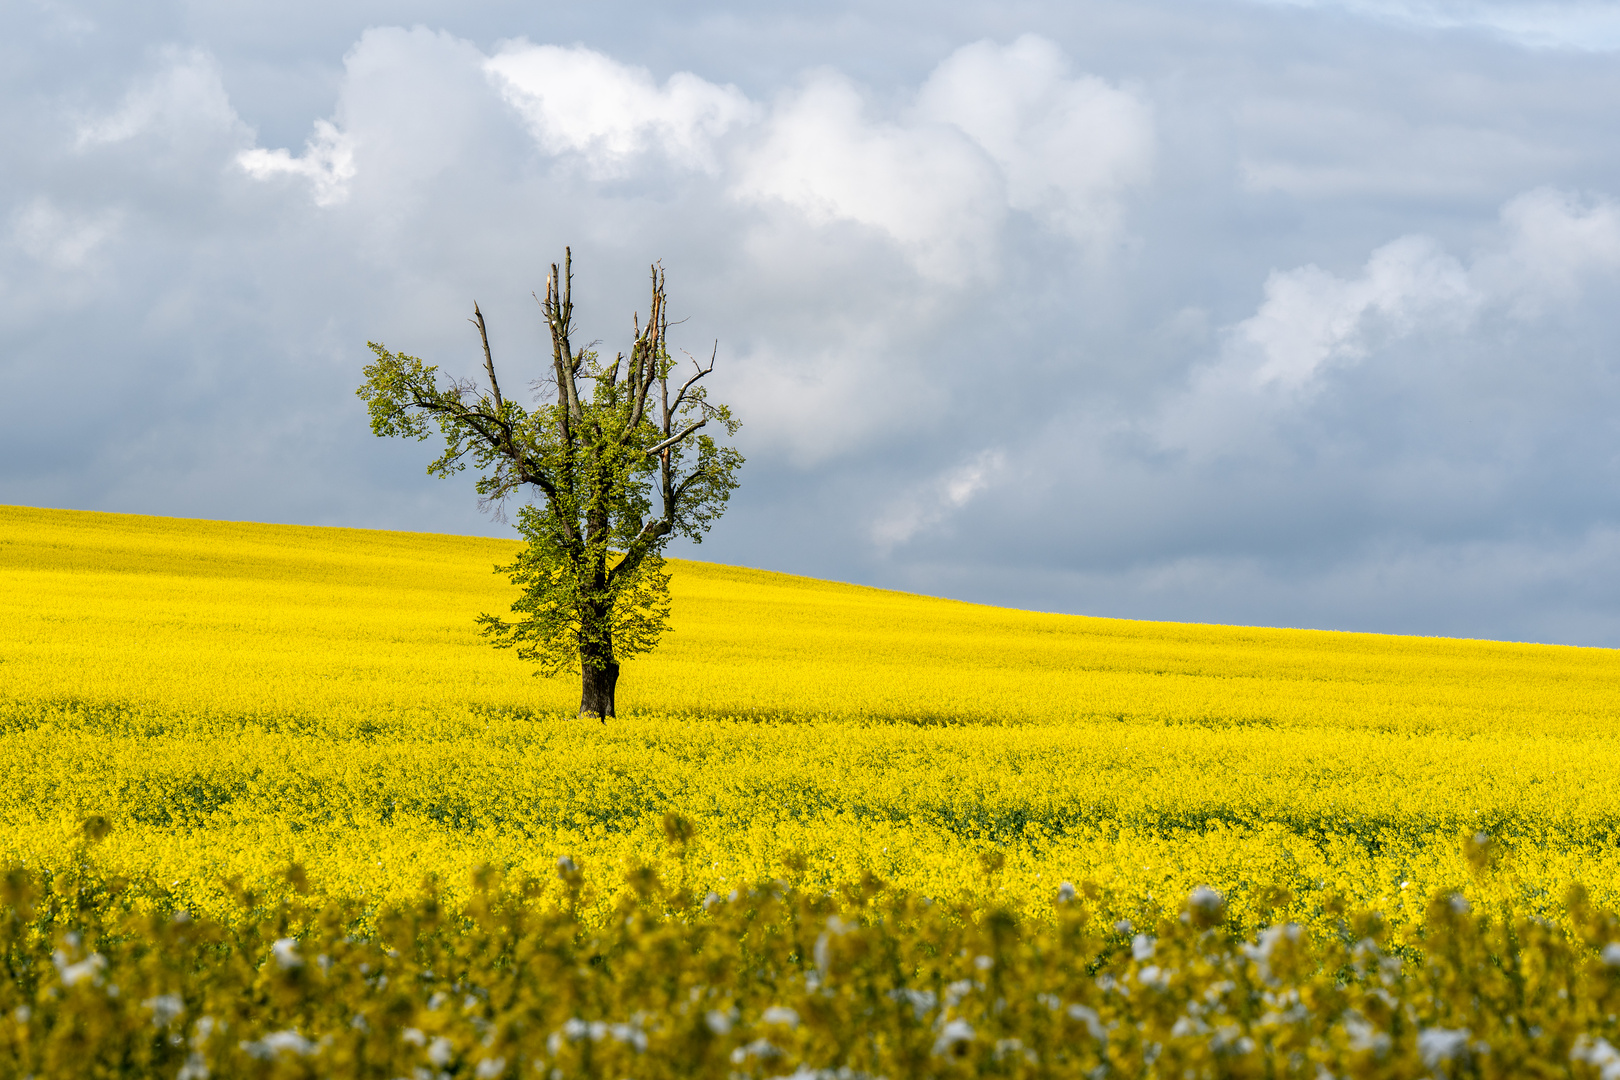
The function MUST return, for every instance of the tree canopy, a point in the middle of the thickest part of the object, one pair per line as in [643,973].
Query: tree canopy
[610,476]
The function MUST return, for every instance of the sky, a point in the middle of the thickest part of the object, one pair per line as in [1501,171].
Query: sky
[1279,313]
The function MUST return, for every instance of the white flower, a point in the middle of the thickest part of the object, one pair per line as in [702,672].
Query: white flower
[780,1014]
[73,974]
[718,1022]
[1260,951]
[440,1051]
[1205,900]
[835,927]
[1008,1047]
[490,1068]
[413,1036]
[759,1048]
[1598,1054]
[279,1042]
[1611,954]
[922,1001]
[285,950]
[954,1039]
[1092,1021]
[1065,893]
[1142,948]
[165,1008]
[956,991]
[1441,1044]
[1364,1037]
[1229,1039]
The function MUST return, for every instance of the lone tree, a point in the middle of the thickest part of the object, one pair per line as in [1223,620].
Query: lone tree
[612,478]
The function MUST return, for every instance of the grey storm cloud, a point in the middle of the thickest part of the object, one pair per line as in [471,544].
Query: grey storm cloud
[1283,313]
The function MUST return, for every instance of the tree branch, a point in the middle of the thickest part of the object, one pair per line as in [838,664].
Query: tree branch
[680,395]
[648,348]
[489,361]
[640,547]
[673,439]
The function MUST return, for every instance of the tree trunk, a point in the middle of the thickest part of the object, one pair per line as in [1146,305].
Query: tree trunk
[597,684]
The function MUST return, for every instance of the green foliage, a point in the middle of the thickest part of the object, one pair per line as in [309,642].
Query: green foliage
[616,472]
[554,593]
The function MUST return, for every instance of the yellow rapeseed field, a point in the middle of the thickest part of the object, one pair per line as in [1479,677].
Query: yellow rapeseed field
[228,719]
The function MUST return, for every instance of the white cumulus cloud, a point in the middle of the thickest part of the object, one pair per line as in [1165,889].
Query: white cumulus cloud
[1550,243]
[927,187]
[185,96]
[1068,146]
[1546,248]
[945,495]
[993,128]
[327,163]
[578,101]
[1311,318]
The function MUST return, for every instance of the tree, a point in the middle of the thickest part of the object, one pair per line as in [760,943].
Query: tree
[612,478]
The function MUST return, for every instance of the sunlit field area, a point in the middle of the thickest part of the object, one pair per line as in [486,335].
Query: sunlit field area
[268,784]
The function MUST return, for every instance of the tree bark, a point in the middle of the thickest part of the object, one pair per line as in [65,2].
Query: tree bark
[596,691]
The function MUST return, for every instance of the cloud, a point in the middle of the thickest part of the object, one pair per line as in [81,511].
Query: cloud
[1311,319]
[1411,421]
[1550,244]
[414,110]
[936,501]
[1013,317]
[992,129]
[185,97]
[1583,25]
[327,163]
[575,100]
[815,406]
[59,238]
[1068,147]
[927,187]
[1545,248]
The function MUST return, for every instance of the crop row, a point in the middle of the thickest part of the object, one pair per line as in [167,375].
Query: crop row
[770,981]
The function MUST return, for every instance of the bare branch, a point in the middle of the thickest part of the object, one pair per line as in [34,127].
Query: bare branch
[559,309]
[701,371]
[673,439]
[648,348]
[489,361]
